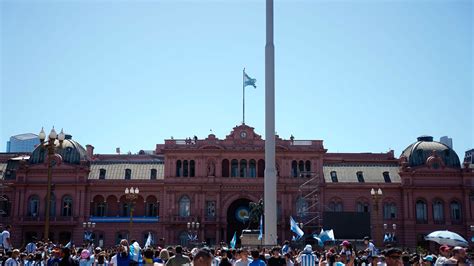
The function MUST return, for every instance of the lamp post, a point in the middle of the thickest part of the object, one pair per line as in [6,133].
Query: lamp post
[131,194]
[193,228]
[376,196]
[87,233]
[52,158]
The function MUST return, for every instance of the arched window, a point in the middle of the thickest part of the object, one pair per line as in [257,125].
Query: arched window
[389,211]
[192,168]
[178,168]
[225,168]
[185,168]
[5,206]
[300,168]
[294,169]
[261,168]
[362,206]
[234,168]
[307,166]
[438,213]
[335,206]
[421,212]
[151,209]
[455,212]
[67,206]
[33,206]
[120,235]
[301,207]
[252,168]
[184,207]
[128,174]
[102,173]
[243,168]
[153,174]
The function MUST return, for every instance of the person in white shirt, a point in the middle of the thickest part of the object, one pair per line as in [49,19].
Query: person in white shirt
[6,242]
[13,261]
[244,258]
[372,251]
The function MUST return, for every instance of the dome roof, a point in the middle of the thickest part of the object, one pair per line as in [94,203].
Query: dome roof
[425,148]
[71,152]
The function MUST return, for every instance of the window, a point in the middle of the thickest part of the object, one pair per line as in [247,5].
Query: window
[455,212]
[184,207]
[389,211]
[421,212]
[210,208]
[102,173]
[301,207]
[192,168]
[360,177]
[234,167]
[67,206]
[184,238]
[252,168]
[438,213]
[261,168]
[225,168]
[5,206]
[120,235]
[243,168]
[52,208]
[386,177]
[178,168]
[153,174]
[307,166]
[362,207]
[300,168]
[294,169]
[185,168]
[335,206]
[33,206]
[128,174]
[334,177]
[100,209]
[151,209]
[125,209]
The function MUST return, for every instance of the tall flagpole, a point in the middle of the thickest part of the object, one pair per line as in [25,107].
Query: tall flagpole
[243,96]
[270,183]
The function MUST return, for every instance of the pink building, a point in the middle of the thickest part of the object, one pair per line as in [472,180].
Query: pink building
[211,181]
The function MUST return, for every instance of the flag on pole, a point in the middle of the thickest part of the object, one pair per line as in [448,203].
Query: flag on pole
[260,235]
[248,81]
[295,228]
[234,240]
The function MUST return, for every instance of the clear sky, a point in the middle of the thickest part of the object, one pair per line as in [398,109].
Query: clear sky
[364,76]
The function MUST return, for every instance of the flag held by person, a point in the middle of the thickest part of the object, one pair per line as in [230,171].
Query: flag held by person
[295,228]
[234,240]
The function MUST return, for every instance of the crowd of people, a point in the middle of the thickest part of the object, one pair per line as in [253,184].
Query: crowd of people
[39,253]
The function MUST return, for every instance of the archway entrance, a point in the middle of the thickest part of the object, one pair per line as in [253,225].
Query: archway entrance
[237,218]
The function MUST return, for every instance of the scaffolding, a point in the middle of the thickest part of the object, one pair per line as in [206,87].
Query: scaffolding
[310,215]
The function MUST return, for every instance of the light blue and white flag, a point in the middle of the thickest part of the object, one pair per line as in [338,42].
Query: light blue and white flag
[234,240]
[295,228]
[327,235]
[248,81]
[320,243]
[148,240]
[260,235]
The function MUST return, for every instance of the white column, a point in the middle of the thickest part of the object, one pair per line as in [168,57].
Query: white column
[270,171]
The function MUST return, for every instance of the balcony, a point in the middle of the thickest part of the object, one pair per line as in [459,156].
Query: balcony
[54,220]
[124,219]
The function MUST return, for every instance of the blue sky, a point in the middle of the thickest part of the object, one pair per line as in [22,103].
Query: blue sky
[364,76]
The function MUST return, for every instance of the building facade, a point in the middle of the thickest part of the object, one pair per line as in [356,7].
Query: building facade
[195,190]
[22,143]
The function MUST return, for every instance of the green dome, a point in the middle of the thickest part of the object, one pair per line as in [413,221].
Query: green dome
[70,151]
[418,152]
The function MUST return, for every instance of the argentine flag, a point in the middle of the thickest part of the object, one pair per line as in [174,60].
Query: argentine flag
[260,235]
[234,240]
[295,228]
[248,81]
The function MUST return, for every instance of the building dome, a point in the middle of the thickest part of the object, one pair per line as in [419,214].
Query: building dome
[425,149]
[71,152]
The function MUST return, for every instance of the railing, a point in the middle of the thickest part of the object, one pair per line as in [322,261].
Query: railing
[210,218]
[124,219]
[51,219]
[183,219]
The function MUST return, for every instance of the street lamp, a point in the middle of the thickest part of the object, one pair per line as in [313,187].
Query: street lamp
[193,228]
[87,233]
[376,196]
[52,159]
[131,194]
